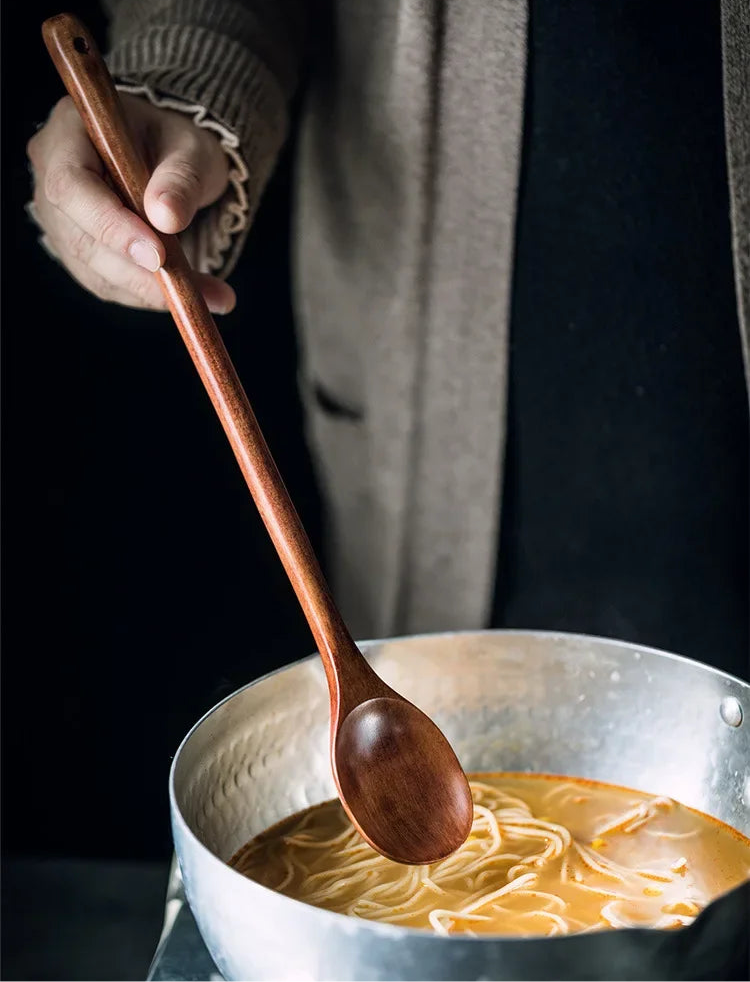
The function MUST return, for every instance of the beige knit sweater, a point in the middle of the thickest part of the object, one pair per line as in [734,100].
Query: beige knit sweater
[405,201]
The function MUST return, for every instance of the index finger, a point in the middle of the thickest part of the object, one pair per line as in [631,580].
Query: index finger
[73,182]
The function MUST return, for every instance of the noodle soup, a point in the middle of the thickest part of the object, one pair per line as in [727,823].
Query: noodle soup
[546,855]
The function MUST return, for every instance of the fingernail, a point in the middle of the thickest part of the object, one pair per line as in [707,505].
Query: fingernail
[172,200]
[145,255]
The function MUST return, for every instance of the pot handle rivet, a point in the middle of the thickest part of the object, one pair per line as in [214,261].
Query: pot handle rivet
[731,711]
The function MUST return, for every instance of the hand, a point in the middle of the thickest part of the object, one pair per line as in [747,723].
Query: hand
[106,247]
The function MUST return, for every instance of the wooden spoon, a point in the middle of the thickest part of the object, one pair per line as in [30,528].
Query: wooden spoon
[397,776]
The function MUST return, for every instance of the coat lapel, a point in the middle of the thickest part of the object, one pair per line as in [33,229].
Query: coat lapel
[735,16]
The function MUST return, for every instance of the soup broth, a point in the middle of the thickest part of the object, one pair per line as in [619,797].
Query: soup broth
[546,855]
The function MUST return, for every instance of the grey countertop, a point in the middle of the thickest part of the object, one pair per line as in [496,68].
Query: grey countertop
[98,919]
[65,918]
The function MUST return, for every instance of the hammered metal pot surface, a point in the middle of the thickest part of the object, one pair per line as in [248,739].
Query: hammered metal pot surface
[513,701]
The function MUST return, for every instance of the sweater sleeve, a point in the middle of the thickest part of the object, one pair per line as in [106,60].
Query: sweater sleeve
[232,65]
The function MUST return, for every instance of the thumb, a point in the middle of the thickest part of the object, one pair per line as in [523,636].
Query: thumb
[192,172]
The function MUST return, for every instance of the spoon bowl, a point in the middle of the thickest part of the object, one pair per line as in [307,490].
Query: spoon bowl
[399,776]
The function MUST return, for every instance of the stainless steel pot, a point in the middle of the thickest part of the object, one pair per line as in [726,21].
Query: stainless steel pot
[514,701]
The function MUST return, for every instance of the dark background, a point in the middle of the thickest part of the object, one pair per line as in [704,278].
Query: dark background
[139,586]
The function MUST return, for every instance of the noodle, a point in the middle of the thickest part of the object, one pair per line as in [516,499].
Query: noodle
[542,859]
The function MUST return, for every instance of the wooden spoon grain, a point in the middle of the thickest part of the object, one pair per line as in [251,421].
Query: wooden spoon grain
[397,776]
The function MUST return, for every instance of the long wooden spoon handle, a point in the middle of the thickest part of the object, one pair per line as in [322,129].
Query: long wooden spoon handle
[87,79]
